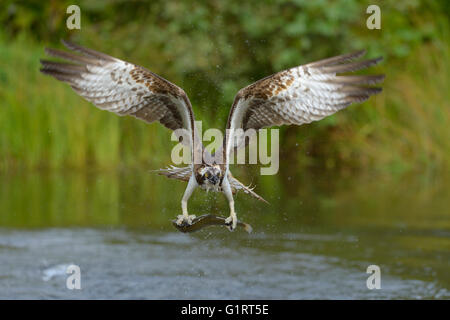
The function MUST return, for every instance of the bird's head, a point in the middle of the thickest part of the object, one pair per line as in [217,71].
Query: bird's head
[211,174]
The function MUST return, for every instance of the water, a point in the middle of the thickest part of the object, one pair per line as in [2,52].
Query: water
[315,240]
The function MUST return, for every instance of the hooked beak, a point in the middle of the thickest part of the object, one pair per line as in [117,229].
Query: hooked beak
[214,179]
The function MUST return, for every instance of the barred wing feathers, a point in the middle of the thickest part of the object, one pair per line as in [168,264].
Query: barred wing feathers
[183,173]
[122,87]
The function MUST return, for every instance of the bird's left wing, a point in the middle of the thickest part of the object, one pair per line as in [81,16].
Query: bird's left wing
[298,95]
[123,88]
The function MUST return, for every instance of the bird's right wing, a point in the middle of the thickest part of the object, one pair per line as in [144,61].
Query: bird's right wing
[123,88]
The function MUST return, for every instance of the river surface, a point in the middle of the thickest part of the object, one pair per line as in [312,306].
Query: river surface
[314,241]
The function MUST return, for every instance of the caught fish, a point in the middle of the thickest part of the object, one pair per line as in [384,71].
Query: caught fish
[205,221]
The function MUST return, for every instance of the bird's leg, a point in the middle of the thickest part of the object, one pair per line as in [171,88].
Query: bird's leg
[185,217]
[231,221]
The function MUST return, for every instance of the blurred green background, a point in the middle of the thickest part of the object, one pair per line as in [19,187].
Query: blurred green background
[212,49]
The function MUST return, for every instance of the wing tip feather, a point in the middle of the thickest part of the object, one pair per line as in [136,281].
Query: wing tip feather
[90,53]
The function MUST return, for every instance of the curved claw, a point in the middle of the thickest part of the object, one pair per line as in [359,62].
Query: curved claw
[183,220]
[231,223]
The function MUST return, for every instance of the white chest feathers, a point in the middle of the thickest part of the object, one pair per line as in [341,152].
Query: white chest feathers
[209,186]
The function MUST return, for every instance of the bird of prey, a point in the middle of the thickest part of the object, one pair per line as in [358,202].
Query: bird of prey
[297,96]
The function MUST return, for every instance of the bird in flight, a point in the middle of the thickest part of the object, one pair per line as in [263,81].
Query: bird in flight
[297,96]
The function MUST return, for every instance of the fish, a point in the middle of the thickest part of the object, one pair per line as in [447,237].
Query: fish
[207,220]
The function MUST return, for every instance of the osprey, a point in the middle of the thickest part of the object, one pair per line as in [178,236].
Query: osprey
[298,95]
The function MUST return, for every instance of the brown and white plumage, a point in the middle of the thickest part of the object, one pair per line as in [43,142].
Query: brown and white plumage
[122,87]
[299,95]
[295,96]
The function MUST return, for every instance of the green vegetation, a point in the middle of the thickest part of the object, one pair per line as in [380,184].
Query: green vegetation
[212,50]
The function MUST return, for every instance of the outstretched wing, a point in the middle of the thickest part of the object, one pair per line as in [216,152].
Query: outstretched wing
[299,95]
[123,88]
[183,174]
